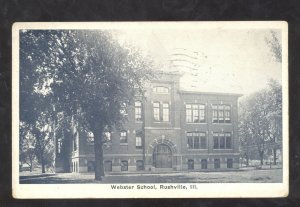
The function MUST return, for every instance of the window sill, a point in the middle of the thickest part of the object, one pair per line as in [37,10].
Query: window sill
[158,93]
[162,122]
[222,123]
[197,149]
[196,122]
[222,149]
[123,144]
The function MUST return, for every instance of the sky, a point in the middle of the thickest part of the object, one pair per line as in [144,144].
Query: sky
[213,60]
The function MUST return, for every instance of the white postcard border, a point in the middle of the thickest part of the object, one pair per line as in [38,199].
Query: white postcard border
[207,190]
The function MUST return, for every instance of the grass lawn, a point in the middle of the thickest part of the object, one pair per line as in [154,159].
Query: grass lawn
[241,176]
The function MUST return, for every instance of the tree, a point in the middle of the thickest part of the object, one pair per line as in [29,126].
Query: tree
[88,76]
[275,116]
[275,46]
[44,141]
[35,100]
[27,143]
[261,120]
[246,133]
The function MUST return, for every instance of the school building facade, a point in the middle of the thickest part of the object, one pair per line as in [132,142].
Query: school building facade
[170,130]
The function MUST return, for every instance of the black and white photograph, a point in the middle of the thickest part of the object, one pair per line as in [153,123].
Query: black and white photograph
[150,110]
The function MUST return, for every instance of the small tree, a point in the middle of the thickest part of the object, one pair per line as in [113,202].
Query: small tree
[44,141]
[27,143]
[246,133]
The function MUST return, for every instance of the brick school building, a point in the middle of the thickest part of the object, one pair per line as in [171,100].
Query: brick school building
[172,130]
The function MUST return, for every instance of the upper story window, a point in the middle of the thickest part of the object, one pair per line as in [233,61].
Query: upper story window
[161,112]
[195,113]
[221,113]
[156,111]
[196,140]
[222,140]
[107,136]
[123,137]
[161,89]
[90,137]
[165,112]
[138,142]
[123,109]
[138,110]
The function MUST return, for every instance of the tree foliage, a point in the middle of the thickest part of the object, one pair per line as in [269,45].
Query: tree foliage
[86,75]
[275,46]
[27,146]
[260,118]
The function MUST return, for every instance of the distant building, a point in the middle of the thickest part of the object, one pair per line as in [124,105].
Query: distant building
[172,130]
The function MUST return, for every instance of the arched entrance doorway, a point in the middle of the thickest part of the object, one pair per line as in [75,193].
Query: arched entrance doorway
[162,156]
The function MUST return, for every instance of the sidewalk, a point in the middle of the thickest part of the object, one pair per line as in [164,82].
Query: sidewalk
[241,176]
[128,173]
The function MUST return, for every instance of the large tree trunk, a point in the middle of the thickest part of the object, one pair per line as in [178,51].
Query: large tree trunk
[99,171]
[30,165]
[274,156]
[43,167]
[261,155]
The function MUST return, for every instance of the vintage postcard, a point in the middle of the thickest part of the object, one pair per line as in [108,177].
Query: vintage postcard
[150,110]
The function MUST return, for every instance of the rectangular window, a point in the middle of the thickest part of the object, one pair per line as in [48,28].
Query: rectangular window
[201,113]
[124,165]
[229,163]
[227,114]
[196,140]
[217,163]
[195,113]
[166,112]
[139,165]
[216,140]
[107,136]
[123,137]
[221,114]
[123,109]
[156,111]
[203,164]
[161,112]
[138,142]
[215,114]
[188,108]
[203,141]
[222,141]
[161,89]
[190,140]
[138,111]
[228,141]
